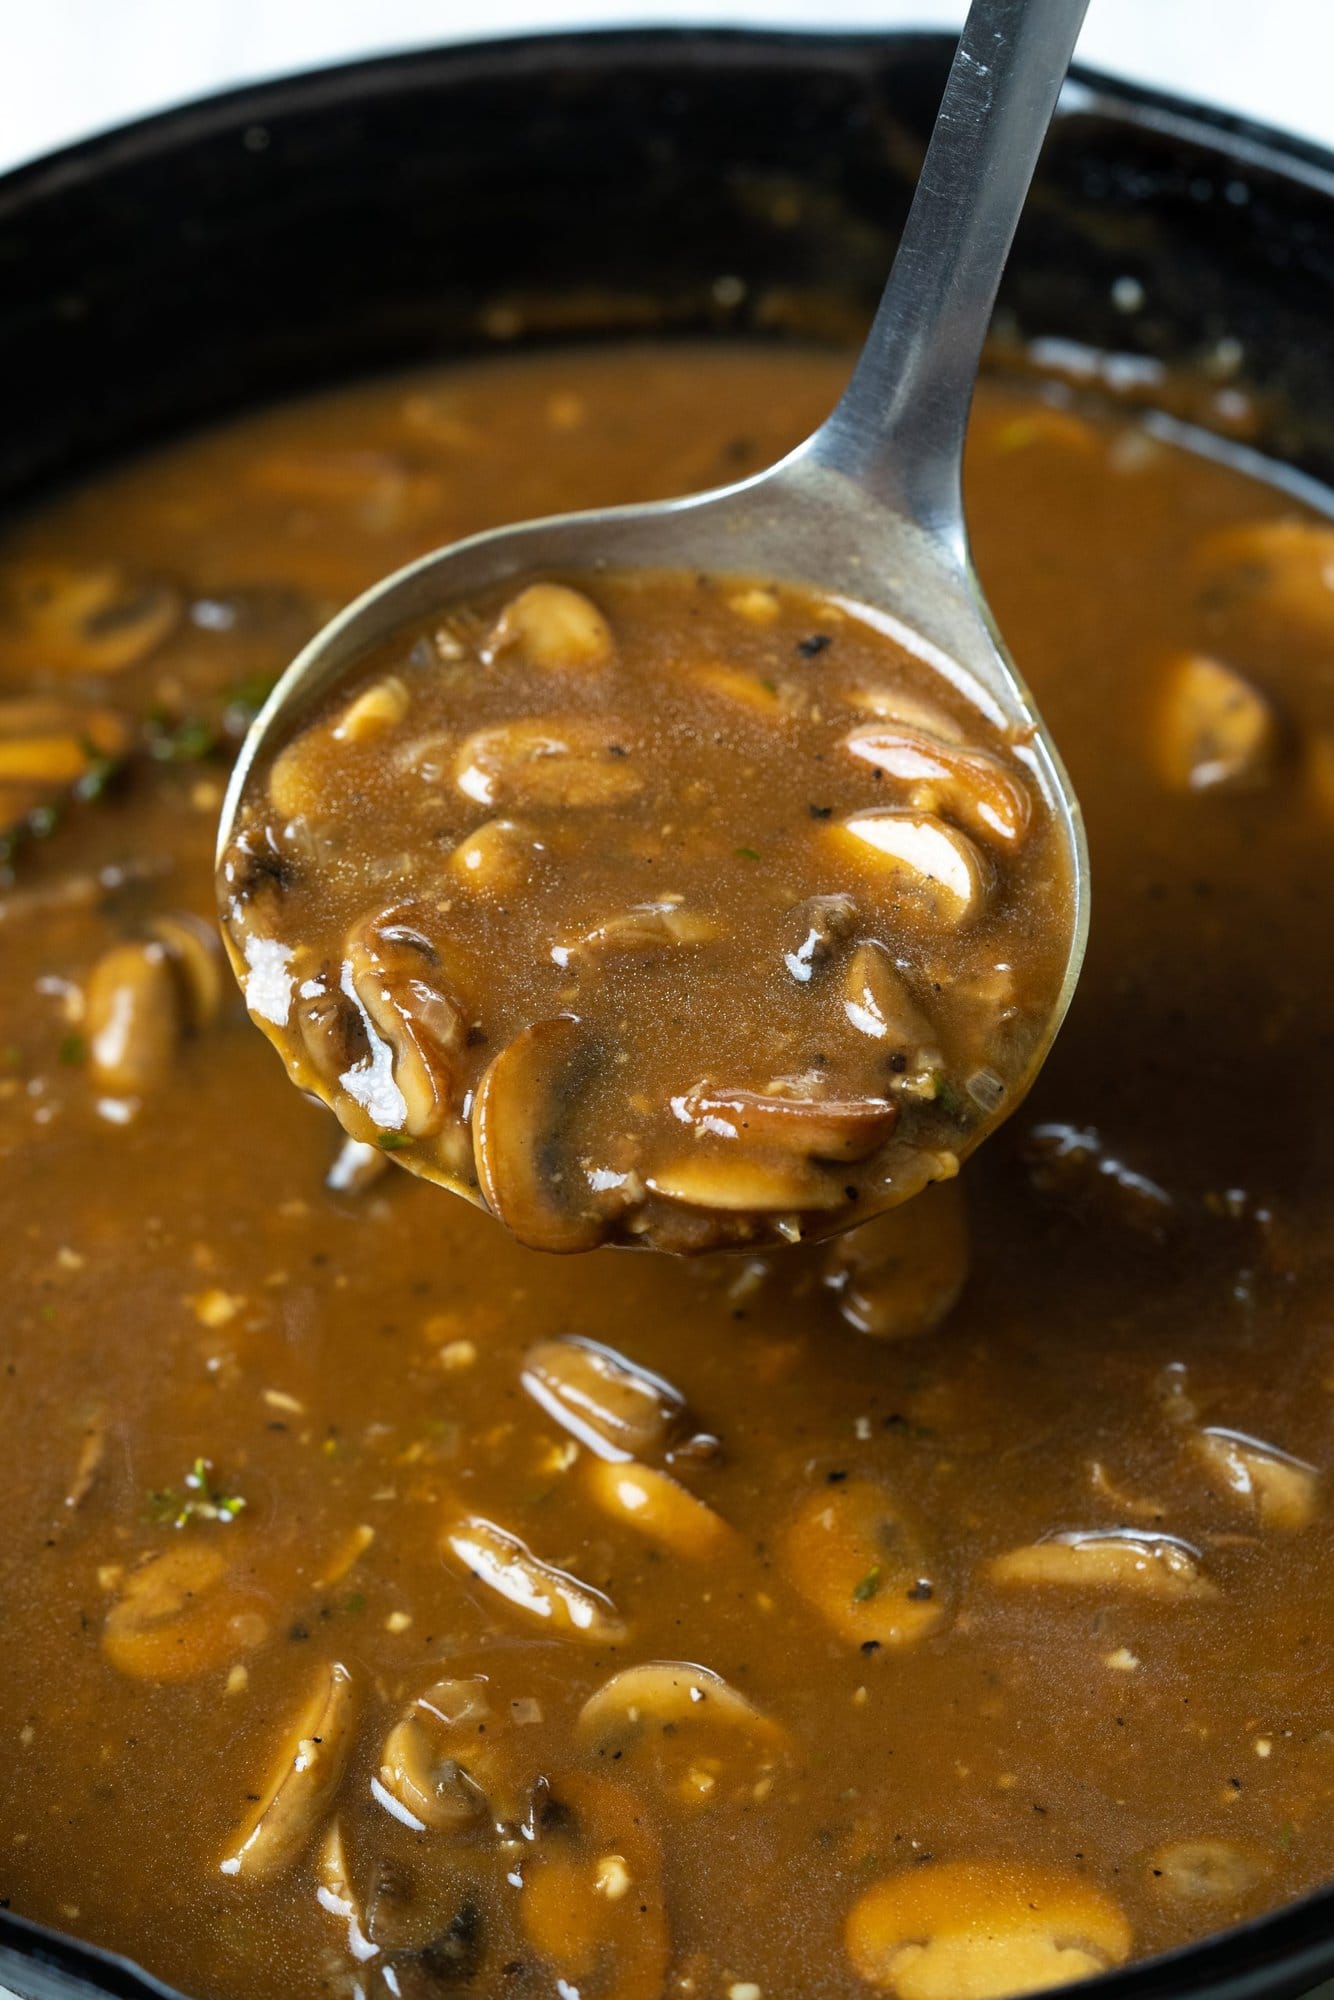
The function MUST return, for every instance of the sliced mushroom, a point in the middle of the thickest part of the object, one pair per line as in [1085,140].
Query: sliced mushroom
[195,952]
[741,687]
[298,777]
[521,1139]
[561,761]
[701,1742]
[334,1891]
[497,857]
[878,1002]
[422,1778]
[378,708]
[855,1559]
[1218,1872]
[90,621]
[134,1019]
[51,748]
[822,924]
[933,868]
[658,1507]
[738,1184]
[902,705]
[1213,730]
[1280,1491]
[900,1274]
[384,491]
[968,786]
[397,976]
[1075,1165]
[551,1597]
[618,1409]
[305,1778]
[1160,1566]
[984,1930]
[647,927]
[178,1615]
[336,1038]
[553,628]
[811,1128]
[1278,569]
[594,1906]
[429,1923]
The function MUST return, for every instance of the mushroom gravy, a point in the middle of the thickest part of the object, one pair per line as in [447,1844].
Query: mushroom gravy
[673,910]
[391,1609]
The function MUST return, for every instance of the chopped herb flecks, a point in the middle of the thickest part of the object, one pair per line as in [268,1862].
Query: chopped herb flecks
[863,1592]
[200,1501]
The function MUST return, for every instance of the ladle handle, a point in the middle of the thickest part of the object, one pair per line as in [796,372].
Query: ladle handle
[899,427]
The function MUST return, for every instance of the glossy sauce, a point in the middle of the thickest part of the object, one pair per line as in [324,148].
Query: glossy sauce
[676,910]
[1024,1614]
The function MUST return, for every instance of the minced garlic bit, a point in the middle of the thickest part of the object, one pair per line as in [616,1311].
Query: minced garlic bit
[278,1399]
[457,1354]
[215,1308]
[611,1877]
[238,1680]
[745,1989]
[1262,1746]
[398,1621]
[1122,1661]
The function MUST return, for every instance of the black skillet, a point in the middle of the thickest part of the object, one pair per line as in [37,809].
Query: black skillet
[275,238]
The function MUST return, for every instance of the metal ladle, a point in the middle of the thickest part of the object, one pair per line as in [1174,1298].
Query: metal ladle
[870,508]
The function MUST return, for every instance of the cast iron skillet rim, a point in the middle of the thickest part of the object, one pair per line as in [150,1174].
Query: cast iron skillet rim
[1296,1942]
[1249,142]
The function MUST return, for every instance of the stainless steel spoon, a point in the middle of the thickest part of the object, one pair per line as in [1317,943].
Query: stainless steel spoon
[870,508]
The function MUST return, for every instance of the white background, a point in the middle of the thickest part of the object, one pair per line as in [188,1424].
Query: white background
[70,66]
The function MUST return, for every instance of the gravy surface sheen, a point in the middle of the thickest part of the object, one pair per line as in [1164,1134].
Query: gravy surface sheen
[390,1608]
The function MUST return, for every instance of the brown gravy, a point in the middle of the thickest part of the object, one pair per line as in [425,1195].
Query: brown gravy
[1022,1626]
